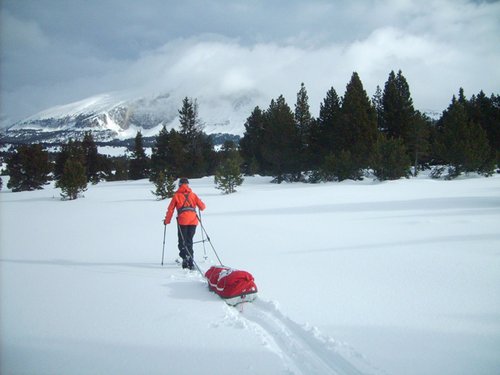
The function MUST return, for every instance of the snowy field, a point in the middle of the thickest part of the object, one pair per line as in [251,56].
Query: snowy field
[399,278]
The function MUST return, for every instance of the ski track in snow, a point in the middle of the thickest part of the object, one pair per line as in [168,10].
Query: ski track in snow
[303,351]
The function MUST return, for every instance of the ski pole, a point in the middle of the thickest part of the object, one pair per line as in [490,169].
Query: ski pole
[209,241]
[164,235]
[203,239]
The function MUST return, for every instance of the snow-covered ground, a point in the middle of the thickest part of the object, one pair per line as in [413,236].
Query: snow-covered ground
[399,277]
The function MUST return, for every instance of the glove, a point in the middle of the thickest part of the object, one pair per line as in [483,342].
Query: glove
[165,222]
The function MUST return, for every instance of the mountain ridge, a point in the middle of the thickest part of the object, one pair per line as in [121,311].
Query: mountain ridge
[118,116]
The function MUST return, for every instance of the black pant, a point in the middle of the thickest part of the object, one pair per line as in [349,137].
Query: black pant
[186,234]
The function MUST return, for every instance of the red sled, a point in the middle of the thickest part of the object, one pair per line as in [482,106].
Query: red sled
[233,286]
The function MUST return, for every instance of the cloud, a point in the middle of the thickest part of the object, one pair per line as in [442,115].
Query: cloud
[218,50]
[434,69]
[21,34]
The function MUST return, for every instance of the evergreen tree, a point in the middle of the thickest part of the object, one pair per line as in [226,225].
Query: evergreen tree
[316,153]
[327,124]
[92,160]
[139,163]
[119,166]
[397,112]
[378,103]
[251,143]
[339,167]
[189,120]
[280,141]
[28,167]
[461,97]
[485,112]
[175,154]
[357,129]
[209,156]
[72,149]
[228,174]
[164,185]
[463,144]
[73,180]
[160,154]
[390,160]
[96,166]
[190,129]
[197,146]
[419,131]
[303,121]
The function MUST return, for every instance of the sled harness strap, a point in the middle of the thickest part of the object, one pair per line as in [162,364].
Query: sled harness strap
[186,206]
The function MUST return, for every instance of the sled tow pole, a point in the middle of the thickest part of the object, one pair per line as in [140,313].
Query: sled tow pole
[203,238]
[233,286]
[208,238]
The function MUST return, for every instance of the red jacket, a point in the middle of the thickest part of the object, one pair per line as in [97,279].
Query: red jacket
[185,201]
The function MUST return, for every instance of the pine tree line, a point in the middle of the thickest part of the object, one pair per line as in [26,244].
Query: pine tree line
[188,152]
[30,167]
[175,153]
[351,135]
[385,134]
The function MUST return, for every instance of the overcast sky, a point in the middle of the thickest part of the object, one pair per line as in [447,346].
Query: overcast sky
[57,51]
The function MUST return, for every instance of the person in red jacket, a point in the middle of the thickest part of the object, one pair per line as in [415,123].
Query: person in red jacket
[185,201]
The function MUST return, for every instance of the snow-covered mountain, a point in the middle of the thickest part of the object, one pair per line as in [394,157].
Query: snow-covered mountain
[119,116]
